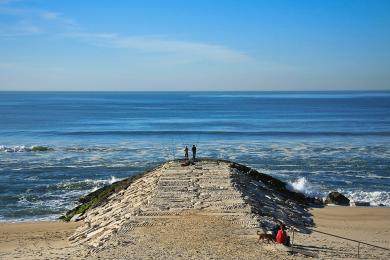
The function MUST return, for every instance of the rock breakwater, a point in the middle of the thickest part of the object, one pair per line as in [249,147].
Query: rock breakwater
[215,189]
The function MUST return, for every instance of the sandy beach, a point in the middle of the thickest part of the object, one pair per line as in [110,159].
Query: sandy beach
[370,225]
[49,239]
[36,240]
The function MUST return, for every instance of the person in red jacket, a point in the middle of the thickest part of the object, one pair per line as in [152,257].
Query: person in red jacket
[282,235]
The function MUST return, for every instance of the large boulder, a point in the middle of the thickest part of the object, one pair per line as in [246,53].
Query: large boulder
[337,198]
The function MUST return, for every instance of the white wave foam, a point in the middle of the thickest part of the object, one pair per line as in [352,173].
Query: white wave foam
[23,200]
[77,185]
[30,218]
[82,184]
[302,185]
[12,149]
[375,198]
[23,148]
[114,179]
[54,202]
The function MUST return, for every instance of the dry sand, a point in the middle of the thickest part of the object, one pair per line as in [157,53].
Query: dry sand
[201,234]
[36,240]
[370,225]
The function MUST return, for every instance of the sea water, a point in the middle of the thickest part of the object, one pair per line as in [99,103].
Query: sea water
[58,146]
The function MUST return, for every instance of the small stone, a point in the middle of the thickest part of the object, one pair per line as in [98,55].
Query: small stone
[360,203]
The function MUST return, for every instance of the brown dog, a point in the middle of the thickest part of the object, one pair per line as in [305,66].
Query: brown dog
[264,237]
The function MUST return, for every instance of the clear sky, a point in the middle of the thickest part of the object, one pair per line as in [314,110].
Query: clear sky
[195,45]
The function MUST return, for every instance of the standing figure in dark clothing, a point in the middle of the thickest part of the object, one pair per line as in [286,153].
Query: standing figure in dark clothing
[193,152]
[186,152]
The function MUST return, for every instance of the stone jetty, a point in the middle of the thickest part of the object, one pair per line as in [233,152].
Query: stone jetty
[209,209]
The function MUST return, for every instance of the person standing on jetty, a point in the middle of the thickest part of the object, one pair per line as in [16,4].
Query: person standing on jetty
[186,152]
[193,152]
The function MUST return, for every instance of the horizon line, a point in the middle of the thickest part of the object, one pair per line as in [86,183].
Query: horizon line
[187,91]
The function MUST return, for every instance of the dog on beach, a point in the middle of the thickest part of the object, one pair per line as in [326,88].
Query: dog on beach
[263,237]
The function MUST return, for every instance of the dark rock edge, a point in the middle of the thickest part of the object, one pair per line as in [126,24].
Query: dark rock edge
[100,196]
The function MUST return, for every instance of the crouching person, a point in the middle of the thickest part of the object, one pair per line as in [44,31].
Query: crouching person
[282,237]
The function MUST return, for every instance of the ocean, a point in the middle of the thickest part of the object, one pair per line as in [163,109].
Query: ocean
[58,146]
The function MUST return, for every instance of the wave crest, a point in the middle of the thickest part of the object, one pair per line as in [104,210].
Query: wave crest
[376,198]
[302,185]
[23,148]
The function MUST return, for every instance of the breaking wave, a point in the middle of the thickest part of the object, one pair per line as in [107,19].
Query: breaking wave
[376,198]
[23,148]
[83,184]
[302,185]
[52,203]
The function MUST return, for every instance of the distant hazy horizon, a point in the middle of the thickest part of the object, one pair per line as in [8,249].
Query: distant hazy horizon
[199,45]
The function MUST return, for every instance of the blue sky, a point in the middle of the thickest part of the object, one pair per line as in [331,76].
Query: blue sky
[195,45]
